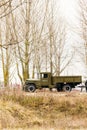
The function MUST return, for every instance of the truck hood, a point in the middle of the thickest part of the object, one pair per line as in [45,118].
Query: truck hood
[35,81]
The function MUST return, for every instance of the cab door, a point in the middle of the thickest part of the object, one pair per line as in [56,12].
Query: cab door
[45,79]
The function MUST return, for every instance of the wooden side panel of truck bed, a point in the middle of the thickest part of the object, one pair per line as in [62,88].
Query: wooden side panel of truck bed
[67,79]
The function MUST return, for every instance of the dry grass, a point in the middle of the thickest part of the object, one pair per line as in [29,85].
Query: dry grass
[42,110]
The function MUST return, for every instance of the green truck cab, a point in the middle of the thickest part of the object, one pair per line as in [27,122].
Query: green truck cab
[46,80]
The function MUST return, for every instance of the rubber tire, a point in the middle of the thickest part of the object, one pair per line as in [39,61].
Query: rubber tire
[59,89]
[67,88]
[31,88]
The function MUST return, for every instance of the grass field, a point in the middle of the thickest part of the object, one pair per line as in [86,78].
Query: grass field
[43,110]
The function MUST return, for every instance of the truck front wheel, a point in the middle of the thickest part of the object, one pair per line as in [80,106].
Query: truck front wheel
[31,88]
[67,88]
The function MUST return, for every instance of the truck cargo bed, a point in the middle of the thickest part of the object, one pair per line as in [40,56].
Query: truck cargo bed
[67,79]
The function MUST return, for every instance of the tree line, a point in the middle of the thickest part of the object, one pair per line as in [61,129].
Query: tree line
[34,36]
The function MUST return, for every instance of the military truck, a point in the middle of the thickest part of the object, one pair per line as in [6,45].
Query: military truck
[46,80]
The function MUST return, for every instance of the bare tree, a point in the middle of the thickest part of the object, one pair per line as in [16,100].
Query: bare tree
[57,39]
[30,35]
[6,56]
[83,25]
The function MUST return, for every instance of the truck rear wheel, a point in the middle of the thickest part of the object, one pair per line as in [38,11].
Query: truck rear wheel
[31,88]
[67,88]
